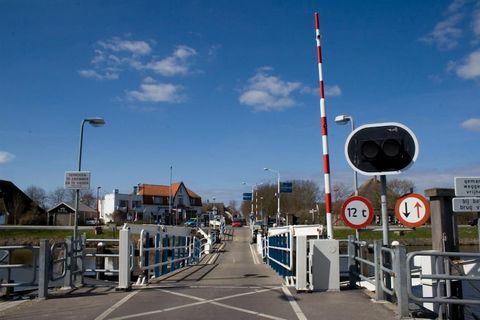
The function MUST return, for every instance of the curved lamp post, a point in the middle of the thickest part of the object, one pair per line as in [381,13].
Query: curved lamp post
[95,122]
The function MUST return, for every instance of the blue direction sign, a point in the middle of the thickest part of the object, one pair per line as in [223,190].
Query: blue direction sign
[286,187]
[247,196]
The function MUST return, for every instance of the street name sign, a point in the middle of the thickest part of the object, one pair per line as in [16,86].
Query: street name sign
[357,212]
[247,196]
[77,180]
[412,210]
[466,204]
[467,186]
[286,187]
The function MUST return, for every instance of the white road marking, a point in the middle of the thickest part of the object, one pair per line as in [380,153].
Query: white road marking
[294,304]
[254,255]
[201,301]
[115,306]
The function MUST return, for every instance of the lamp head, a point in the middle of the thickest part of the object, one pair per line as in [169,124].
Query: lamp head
[96,122]
[342,119]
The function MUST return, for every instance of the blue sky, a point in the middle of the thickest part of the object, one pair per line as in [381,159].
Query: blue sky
[222,89]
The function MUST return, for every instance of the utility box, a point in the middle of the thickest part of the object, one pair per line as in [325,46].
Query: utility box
[324,265]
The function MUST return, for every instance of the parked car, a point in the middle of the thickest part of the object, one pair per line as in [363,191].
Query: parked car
[236,223]
[192,222]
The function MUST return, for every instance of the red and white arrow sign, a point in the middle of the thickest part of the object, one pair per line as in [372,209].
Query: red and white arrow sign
[412,210]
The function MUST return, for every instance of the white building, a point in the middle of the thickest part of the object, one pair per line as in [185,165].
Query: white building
[152,203]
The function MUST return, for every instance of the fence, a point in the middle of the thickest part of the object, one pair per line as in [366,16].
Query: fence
[65,263]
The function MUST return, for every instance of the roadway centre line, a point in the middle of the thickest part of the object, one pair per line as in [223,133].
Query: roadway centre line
[200,301]
[294,304]
[115,306]
[254,256]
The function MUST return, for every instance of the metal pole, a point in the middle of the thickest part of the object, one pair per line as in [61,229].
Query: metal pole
[278,198]
[323,115]
[251,205]
[170,195]
[77,191]
[383,200]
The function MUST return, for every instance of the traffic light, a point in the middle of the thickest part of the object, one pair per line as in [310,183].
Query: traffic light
[381,148]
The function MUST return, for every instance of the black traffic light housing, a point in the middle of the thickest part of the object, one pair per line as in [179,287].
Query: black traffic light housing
[381,148]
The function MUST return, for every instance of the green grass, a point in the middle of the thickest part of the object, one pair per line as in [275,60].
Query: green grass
[33,236]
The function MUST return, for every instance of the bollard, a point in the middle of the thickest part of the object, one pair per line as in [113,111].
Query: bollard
[124,260]
[67,282]
[44,269]
[100,261]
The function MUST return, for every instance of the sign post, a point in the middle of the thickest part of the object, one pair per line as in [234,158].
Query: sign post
[77,180]
[412,210]
[357,212]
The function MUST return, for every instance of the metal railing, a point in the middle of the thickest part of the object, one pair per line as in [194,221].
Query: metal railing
[9,267]
[280,252]
[444,270]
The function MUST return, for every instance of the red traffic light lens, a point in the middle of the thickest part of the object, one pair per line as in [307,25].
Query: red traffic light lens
[391,148]
[370,149]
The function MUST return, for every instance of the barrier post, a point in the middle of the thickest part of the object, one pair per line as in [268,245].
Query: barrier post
[44,269]
[67,282]
[124,260]
[352,264]
[400,269]
[379,294]
[157,254]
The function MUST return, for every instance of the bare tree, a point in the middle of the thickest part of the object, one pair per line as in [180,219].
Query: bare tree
[57,196]
[87,197]
[38,195]
[18,207]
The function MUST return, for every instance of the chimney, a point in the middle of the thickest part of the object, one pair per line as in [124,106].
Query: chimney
[135,189]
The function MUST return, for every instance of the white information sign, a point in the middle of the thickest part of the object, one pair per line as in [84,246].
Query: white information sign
[77,180]
[467,186]
[466,204]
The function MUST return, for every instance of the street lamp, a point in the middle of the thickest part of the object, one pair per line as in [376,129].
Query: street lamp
[278,192]
[95,122]
[344,119]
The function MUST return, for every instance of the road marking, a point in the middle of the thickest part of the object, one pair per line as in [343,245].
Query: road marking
[254,255]
[115,306]
[294,304]
[201,301]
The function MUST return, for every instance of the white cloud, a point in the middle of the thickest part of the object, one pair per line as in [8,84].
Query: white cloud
[176,64]
[265,92]
[330,91]
[135,47]
[6,157]
[446,33]
[470,68]
[161,92]
[107,75]
[472,124]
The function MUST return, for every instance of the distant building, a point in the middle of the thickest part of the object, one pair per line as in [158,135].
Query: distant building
[150,203]
[63,214]
[17,208]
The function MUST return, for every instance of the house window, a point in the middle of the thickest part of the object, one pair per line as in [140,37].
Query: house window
[123,203]
[136,204]
[157,200]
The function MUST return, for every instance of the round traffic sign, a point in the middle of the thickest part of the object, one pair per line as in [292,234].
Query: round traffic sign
[357,212]
[412,210]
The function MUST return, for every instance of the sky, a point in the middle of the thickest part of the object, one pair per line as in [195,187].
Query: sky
[220,90]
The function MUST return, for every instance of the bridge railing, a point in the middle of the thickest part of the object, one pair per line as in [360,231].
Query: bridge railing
[28,265]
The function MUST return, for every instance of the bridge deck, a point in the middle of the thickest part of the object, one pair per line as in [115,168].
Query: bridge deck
[230,284]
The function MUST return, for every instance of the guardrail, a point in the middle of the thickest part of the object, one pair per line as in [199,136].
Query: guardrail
[280,252]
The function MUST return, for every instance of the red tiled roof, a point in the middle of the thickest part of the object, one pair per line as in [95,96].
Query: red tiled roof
[162,190]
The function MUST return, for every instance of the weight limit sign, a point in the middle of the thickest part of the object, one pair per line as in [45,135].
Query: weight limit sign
[357,212]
